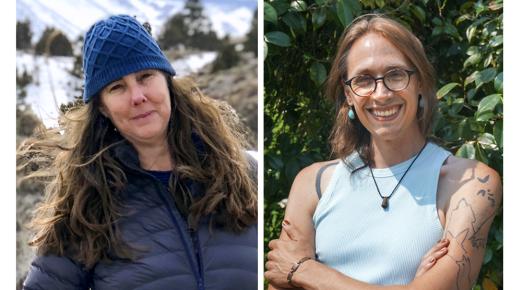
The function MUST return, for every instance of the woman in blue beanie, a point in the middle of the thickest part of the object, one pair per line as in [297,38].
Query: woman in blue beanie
[149,187]
[368,219]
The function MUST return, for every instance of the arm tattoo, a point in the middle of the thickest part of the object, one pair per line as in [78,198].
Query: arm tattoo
[484,179]
[472,233]
[464,271]
[489,195]
[462,210]
[478,241]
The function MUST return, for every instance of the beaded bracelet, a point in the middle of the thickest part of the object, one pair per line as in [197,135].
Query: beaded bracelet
[294,268]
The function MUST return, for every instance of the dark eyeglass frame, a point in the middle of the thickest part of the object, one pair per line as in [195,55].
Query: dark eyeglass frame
[349,82]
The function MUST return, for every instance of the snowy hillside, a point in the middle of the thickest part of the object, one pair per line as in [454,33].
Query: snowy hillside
[75,17]
[53,84]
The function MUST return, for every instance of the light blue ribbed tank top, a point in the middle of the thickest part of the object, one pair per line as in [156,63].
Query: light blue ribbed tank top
[357,237]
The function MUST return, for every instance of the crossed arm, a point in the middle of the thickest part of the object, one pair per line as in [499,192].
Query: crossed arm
[475,194]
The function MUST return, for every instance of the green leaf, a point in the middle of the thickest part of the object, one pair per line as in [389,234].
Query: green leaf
[470,94]
[299,5]
[419,13]
[488,60]
[466,151]
[343,12]
[281,6]
[320,2]
[319,17]
[355,7]
[480,155]
[485,76]
[278,38]
[446,89]
[463,18]
[436,31]
[496,41]
[473,50]
[295,21]
[497,132]
[487,140]
[470,32]
[380,3]
[471,78]
[275,162]
[498,235]
[472,60]
[499,81]
[488,256]
[318,73]
[456,106]
[450,29]
[270,13]
[486,107]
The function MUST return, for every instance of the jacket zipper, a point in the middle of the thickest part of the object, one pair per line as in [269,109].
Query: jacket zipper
[197,249]
[197,271]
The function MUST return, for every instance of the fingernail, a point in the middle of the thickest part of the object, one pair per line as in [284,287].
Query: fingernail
[443,250]
[285,223]
[432,260]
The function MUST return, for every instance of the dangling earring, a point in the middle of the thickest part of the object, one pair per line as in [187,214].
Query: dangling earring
[421,102]
[351,114]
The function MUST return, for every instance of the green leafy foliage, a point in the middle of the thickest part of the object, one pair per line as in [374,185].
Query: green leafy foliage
[463,40]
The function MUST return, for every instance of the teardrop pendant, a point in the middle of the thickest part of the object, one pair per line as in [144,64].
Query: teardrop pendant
[384,203]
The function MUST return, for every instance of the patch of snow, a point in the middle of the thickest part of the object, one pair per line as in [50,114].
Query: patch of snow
[75,17]
[193,63]
[53,85]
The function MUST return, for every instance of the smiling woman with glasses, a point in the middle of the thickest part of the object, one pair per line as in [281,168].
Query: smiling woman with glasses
[394,210]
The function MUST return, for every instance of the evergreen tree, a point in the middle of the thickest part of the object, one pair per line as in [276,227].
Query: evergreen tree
[174,33]
[227,56]
[251,41]
[190,28]
[78,61]
[55,41]
[23,35]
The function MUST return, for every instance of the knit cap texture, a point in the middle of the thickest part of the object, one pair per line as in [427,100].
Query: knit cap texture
[116,47]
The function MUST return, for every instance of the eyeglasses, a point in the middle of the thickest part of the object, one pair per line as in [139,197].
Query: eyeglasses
[394,80]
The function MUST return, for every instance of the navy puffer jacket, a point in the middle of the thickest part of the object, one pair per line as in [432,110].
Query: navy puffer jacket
[176,258]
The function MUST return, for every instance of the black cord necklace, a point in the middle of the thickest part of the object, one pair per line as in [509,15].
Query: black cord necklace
[385,199]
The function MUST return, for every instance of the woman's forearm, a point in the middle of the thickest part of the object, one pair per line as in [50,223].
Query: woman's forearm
[315,276]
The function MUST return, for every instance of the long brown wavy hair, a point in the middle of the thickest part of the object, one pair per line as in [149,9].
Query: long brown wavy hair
[350,135]
[81,206]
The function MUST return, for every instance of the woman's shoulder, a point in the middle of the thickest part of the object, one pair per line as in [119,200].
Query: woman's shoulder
[308,174]
[305,183]
[303,198]
[470,180]
[464,169]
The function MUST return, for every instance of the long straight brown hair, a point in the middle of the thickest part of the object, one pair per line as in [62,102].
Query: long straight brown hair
[82,205]
[350,135]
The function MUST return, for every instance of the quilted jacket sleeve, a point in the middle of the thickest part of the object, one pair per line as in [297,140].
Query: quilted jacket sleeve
[54,272]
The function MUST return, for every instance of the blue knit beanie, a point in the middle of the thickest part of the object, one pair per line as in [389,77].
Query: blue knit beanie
[116,47]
